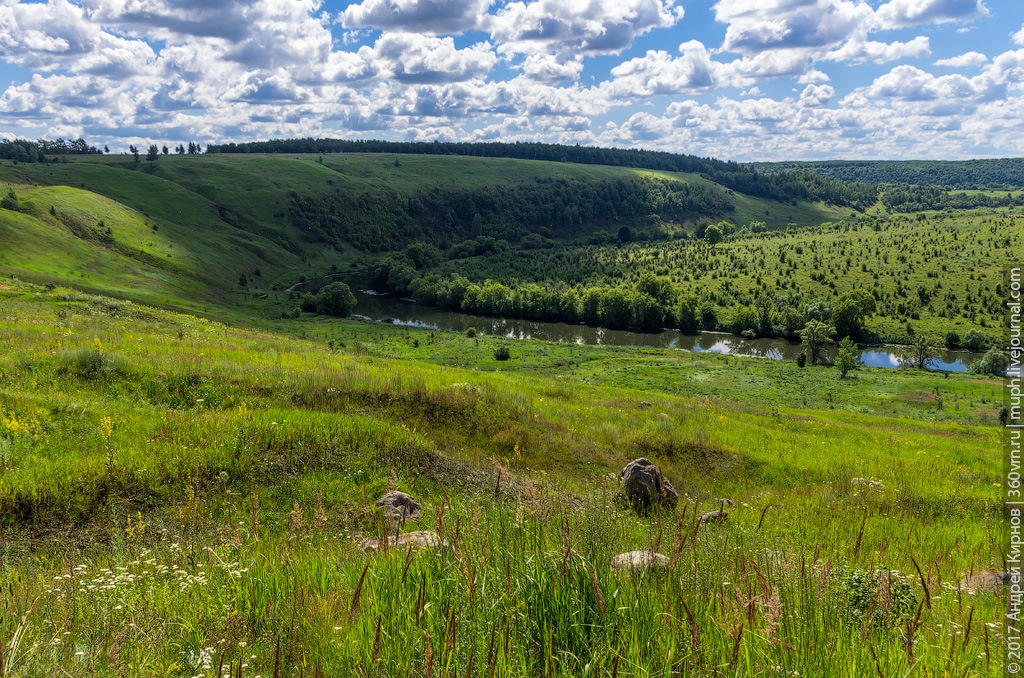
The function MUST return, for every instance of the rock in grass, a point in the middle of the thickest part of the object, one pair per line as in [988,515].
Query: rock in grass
[417,540]
[725,502]
[639,561]
[645,486]
[714,517]
[399,507]
[873,484]
[985,581]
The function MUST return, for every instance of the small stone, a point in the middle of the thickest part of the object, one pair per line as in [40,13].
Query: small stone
[985,581]
[639,561]
[873,484]
[644,405]
[662,415]
[725,502]
[417,540]
[714,517]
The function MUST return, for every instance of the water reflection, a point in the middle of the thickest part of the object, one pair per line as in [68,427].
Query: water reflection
[410,313]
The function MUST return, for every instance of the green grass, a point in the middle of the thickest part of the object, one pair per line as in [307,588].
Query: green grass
[175,492]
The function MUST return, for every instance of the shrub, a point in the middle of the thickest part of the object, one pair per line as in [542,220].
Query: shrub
[502,353]
[801,359]
[994,362]
[10,201]
[471,332]
[952,340]
[90,363]
[976,340]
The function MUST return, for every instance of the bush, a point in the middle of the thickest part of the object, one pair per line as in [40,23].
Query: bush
[471,332]
[952,340]
[335,300]
[90,363]
[976,340]
[801,359]
[10,201]
[994,362]
[502,353]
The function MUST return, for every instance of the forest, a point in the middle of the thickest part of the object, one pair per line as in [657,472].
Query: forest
[996,173]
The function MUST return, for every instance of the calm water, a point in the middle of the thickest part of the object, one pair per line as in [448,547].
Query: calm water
[410,313]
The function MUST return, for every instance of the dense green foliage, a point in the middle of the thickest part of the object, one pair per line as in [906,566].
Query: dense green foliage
[875,280]
[959,174]
[548,209]
[21,150]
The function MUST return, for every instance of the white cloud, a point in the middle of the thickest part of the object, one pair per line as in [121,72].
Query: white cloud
[577,27]
[966,60]
[549,68]
[859,49]
[658,73]
[1018,37]
[816,95]
[758,25]
[420,16]
[812,77]
[416,58]
[901,13]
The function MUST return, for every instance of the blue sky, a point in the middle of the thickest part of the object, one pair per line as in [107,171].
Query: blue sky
[733,79]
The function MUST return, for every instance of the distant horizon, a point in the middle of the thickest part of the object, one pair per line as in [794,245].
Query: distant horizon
[124,150]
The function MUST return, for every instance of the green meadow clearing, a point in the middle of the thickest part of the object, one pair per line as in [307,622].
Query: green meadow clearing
[184,497]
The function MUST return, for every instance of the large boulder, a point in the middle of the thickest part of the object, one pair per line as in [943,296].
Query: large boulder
[645,486]
[639,561]
[399,507]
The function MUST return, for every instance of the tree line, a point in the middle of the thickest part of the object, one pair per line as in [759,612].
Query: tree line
[21,150]
[954,174]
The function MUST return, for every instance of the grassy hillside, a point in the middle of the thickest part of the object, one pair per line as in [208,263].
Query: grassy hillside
[176,494]
[995,172]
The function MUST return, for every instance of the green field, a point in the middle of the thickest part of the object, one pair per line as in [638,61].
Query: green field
[176,493]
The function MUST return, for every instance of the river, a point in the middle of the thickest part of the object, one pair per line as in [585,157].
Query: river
[409,313]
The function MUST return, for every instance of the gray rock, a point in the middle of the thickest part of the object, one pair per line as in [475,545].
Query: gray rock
[985,581]
[399,507]
[417,540]
[873,484]
[645,486]
[725,502]
[645,405]
[714,517]
[639,561]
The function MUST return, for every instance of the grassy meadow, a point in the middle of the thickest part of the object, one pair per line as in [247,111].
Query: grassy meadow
[182,497]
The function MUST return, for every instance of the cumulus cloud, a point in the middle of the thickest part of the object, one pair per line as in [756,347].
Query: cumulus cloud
[859,49]
[813,76]
[550,68]
[758,25]
[417,58]
[657,73]
[56,35]
[1018,37]
[420,16]
[966,60]
[577,27]
[902,13]
[816,95]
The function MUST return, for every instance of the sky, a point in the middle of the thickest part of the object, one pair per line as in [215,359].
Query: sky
[734,79]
